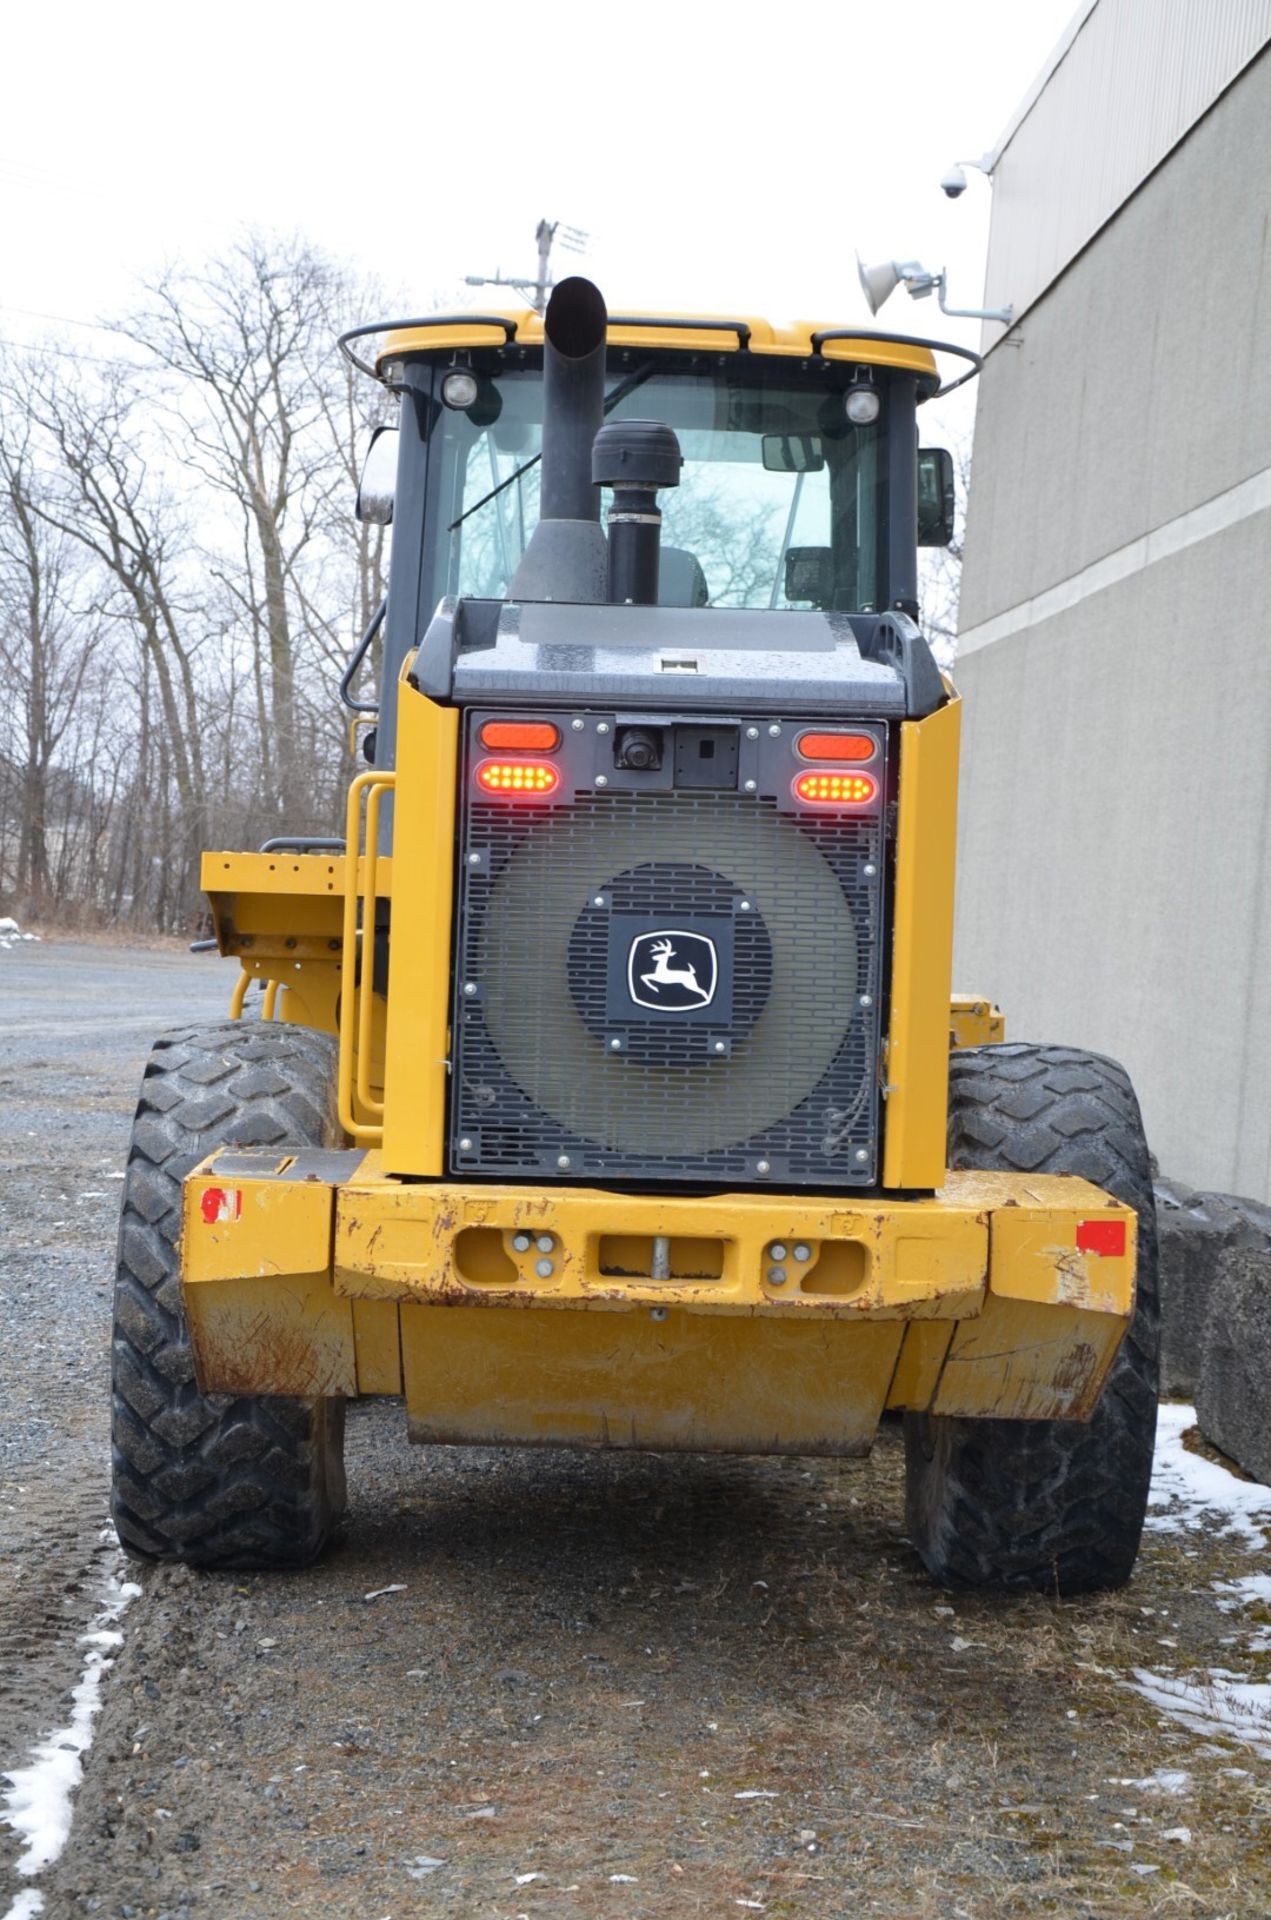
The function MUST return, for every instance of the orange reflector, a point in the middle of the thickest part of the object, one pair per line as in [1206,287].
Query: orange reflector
[837,746]
[520,736]
[836,789]
[517,776]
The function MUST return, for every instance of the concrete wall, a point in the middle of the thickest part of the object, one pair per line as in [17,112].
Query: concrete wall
[1127,80]
[1116,655]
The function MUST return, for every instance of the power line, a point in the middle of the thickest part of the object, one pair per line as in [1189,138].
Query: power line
[63,319]
[65,353]
[70,353]
[34,176]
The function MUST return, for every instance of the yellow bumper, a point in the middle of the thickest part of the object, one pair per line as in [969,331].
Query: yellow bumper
[747,1322]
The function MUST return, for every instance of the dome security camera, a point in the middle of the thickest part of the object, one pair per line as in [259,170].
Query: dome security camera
[954,183]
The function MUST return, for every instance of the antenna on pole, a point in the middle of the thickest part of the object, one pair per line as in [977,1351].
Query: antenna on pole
[573,239]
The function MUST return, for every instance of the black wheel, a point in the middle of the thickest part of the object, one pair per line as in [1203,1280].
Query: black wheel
[1054,1505]
[216,1480]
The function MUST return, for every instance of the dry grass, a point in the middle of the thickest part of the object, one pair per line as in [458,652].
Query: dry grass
[126,938]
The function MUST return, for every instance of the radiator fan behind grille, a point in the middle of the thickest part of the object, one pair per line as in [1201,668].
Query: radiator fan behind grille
[569,894]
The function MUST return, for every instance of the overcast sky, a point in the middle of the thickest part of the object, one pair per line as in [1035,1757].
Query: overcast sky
[719,157]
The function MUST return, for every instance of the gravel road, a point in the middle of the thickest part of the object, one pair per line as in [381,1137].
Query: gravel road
[550,1684]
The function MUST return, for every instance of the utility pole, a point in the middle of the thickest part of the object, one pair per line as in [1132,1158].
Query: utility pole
[544,235]
[540,286]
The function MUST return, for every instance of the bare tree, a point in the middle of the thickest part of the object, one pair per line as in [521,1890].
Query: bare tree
[269,422]
[46,641]
[181,581]
[106,490]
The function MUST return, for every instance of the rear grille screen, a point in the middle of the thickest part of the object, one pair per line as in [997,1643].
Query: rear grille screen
[667,984]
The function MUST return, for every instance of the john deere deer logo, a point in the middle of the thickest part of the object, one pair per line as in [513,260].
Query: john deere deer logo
[672,971]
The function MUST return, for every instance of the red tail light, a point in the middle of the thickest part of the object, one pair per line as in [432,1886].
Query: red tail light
[520,736]
[837,746]
[835,789]
[515,779]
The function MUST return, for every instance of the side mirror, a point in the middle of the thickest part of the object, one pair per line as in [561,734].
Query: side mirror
[379,479]
[936,499]
[793,452]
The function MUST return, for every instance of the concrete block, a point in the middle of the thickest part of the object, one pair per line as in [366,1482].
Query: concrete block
[1195,1231]
[1233,1394]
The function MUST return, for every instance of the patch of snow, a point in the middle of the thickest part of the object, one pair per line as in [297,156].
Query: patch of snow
[10,934]
[27,1904]
[1174,1780]
[425,1864]
[37,1804]
[1216,1703]
[1195,1492]
[756,1793]
[377,1593]
[1245,1592]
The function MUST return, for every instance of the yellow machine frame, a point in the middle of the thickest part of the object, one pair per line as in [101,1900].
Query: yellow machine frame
[567,1315]
[581,1316]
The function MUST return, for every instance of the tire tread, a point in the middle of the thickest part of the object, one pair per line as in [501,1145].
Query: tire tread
[1052,1505]
[215,1480]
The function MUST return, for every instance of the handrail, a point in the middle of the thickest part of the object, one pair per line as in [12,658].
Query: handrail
[424,320]
[356,994]
[359,654]
[301,843]
[904,340]
[366,987]
[655,323]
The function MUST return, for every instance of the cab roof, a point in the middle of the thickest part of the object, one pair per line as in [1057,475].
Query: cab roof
[678,332]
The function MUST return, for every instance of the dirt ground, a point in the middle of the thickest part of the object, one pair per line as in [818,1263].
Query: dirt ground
[553,1684]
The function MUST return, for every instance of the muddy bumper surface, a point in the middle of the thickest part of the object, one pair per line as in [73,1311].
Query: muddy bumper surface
[742,1322]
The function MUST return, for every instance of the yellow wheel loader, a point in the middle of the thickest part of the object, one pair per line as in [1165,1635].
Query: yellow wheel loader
[609,1088]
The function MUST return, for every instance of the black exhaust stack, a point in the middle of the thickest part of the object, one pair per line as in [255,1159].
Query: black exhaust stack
[637,458]
[565,557]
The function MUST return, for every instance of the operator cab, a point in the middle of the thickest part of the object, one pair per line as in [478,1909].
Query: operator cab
[783,500]
[793,486]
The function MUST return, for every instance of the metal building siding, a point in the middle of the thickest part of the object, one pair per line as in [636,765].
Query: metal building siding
[1129,83]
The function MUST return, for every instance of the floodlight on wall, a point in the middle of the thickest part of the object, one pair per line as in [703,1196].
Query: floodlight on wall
[880,281]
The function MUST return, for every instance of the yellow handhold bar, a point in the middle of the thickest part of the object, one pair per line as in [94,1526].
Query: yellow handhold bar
[355,1000]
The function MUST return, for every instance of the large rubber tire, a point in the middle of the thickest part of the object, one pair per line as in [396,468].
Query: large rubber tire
[216,1480]
[1050,1506]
